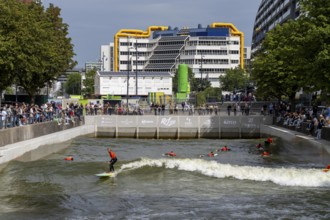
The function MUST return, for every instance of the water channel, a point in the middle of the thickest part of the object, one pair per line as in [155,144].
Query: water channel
[239,184]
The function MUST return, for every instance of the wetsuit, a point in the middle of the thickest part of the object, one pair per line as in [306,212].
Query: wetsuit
[112,161]
[171,154]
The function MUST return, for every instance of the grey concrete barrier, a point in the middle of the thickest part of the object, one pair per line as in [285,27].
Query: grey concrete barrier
[178,126]
[26,132]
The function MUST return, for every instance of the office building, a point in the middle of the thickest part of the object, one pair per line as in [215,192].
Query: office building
[271,13]
[208,51]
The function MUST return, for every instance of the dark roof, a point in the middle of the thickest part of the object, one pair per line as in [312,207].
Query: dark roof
[140,74]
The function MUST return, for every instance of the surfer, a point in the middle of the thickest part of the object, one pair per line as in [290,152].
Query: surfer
[225,148]
[260,148]
[113,160]
[171,154]
[269,140]
[211,154]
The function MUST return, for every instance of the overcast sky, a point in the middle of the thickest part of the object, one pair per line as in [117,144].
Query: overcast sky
[93,23]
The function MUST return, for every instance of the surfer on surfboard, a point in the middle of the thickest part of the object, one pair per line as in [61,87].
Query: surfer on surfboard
[170,154]
[113,160]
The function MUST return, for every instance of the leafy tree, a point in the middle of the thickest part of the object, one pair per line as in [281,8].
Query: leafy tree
[89,83]
[201,84]
[10,12]
[210,94]
[73,85]
[296,55]
[233,80]
[316,45]
[277,69]
[40,49]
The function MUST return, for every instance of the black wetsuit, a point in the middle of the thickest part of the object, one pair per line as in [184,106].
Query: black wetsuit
[112,162]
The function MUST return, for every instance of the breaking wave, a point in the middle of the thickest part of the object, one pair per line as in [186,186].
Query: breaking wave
[280,176]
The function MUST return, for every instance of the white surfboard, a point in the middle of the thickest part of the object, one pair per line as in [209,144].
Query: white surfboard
[111,174]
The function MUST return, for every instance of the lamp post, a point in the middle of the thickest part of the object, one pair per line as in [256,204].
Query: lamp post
[136,68]
[102,61]
[202,66]
[201,72]
[128,46]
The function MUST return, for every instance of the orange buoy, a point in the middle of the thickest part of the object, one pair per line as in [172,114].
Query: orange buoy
[68,158]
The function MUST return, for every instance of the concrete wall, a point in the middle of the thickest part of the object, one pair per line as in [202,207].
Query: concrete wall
[295,138]
[15,150]
[177,127]
[150,126]
[17,134]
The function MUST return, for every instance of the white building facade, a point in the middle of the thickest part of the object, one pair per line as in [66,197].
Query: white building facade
[208,51]
[115,83]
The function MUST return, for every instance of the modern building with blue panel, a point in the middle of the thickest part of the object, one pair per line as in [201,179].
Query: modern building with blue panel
[209,51]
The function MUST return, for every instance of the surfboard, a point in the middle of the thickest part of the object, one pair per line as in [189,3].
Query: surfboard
[326,170]
[105,174]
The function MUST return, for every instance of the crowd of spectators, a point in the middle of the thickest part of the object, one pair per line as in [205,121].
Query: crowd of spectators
[20,114]
[313,119]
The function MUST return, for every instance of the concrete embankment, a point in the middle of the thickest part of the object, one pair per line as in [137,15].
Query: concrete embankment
[129,126]
[295,138]
[15,150]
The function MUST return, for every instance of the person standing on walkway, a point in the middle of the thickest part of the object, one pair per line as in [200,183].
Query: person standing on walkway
[113,160]
[319,128]
[229,109]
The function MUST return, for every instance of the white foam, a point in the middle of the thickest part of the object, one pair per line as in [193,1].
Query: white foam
[280,176]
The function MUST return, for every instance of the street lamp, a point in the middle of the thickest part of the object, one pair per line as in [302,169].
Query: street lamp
[201,82]
[136,68]
[102,61]
[202,66]
[128,60]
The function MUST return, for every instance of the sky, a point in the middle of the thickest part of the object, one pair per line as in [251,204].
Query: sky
[93,23]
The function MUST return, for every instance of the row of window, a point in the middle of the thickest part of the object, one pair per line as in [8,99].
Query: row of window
[212,43]
[149,79]
[143,45]
[131,53]
[209,61]
[140,62]
[171,43]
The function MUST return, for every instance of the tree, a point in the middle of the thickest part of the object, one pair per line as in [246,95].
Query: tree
[40,49]
[296,55]
[277,69]
[73,85]
[233,80]
[10,12]
[316,44]
[89,83]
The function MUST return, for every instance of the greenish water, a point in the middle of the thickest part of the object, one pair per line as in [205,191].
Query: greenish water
[239,184]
